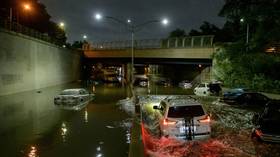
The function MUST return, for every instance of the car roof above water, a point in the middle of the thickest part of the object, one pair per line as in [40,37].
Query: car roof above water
[183,102]
[73,90]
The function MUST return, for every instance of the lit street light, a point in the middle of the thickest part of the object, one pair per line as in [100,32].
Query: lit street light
[132,29]
[26,7]
[98,16]
[62,25]
[84,37]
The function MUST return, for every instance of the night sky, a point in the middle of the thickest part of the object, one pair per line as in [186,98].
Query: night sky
[78,16]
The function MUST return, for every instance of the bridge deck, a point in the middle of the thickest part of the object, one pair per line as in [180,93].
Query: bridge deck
[189,53]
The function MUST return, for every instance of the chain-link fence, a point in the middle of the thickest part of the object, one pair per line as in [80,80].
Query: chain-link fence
[18,28]
[184,42]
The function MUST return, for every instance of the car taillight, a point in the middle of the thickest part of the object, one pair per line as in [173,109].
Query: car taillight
[205,120]
[258,132]
[168,122]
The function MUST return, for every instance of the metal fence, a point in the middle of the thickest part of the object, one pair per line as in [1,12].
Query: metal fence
[185,42]
[18,28]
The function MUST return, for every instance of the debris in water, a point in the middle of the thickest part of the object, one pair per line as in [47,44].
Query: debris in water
[110,127]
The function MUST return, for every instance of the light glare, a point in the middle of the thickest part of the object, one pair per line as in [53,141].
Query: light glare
[98,16]
[165,22]
[61,24]
[26,7]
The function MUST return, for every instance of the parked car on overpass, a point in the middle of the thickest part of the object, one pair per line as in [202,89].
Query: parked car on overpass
[73,99]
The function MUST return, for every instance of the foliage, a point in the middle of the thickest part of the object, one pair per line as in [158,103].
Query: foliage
[262,16]
[239,64]
[36,18]
[177,33]
[252,70]
[78,44]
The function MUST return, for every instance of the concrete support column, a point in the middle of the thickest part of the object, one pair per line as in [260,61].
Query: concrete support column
[127,73]
[202,41]
[192,41]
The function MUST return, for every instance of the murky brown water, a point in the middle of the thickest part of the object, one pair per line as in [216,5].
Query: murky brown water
[32,126]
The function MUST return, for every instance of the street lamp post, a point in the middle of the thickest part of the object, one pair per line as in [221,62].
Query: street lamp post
[132,29]
[247,30]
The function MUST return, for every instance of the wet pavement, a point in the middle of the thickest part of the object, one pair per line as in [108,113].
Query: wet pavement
[31,125]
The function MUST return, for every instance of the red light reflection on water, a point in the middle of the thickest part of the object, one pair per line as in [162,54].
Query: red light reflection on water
[170,147]
[33,152]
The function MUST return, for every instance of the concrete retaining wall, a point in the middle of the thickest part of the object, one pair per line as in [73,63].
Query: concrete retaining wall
[27,64]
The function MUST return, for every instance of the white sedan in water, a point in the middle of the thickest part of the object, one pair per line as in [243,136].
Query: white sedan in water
[73,99]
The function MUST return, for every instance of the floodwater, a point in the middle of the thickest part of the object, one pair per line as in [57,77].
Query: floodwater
[31,125]
[230,135]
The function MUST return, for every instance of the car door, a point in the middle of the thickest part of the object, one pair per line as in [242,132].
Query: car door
[83,95]
[260,99]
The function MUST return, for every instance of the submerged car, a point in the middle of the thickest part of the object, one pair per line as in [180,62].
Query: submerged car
[267,123]
[183,119]
[246,99]
[73,99]
[164,82]
[185,84]
[234,92]
[207,89]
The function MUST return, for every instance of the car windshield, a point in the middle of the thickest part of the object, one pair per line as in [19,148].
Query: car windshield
[69,92]
[185,111]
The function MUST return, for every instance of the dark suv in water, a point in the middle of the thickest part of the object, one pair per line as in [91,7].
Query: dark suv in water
[267,123]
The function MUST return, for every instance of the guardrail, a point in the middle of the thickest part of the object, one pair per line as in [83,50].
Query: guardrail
[184,42]
[18,28]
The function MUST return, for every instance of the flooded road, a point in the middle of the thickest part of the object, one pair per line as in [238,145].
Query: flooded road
[31,125]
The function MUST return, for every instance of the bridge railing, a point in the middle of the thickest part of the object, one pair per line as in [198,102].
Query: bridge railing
[184,42]
[18,28]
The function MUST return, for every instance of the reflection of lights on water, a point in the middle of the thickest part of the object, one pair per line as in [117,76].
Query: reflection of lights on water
[127,137]
[63,131]
[86,116]
[99,153]
[33,152]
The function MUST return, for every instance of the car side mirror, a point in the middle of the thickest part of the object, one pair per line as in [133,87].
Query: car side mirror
[255,119]
[156,108]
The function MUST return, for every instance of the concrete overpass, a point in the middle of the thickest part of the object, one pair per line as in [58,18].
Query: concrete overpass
[188,49]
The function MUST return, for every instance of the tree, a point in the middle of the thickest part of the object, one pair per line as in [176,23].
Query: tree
[261,15]
[177,33]
[36,18]
[244,65]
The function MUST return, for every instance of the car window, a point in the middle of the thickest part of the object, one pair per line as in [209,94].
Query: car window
[69,93]
[185,111]
[84,92]
[201,85]
[260,97]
